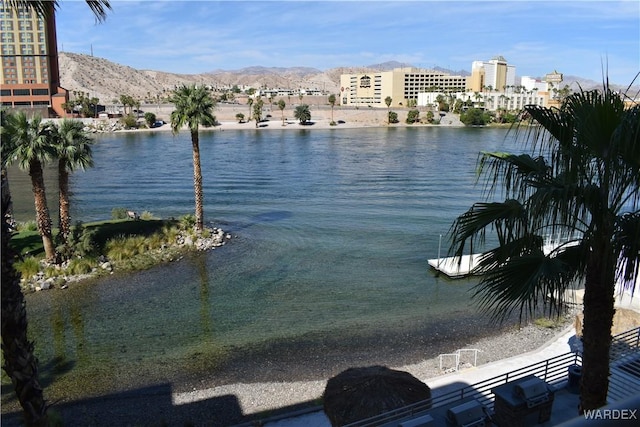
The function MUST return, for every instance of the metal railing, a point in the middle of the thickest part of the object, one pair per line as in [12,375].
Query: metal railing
[625,357]
[553,371]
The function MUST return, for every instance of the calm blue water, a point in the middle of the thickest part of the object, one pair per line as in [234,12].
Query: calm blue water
[331,230]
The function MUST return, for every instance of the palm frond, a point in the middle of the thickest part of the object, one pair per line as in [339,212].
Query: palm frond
[524,285]
[507,218]
[627,244]
[45,8]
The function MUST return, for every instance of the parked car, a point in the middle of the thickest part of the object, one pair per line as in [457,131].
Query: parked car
[157,124]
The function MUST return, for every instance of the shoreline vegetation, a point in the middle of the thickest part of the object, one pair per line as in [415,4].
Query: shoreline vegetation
[104,247]
[321,118]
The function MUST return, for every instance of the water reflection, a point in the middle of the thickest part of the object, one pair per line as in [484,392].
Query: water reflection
[332,231]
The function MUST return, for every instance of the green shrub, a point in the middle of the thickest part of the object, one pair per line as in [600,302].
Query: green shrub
[150,118]
[28,267]
[412,116]
[50,272]
[129,121]
[392,117]
[170,234]
[475,117]
[119,213]
[146,215]
[117,249]
[81,265]
[187,222]
[80,242]
[27,226]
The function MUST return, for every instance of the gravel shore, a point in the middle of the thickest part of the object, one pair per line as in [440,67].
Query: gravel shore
[267,397]
[283,378]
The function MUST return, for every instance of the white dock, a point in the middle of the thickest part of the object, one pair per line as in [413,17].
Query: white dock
[456,267]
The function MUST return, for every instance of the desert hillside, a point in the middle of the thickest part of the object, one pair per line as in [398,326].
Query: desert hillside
[107,80]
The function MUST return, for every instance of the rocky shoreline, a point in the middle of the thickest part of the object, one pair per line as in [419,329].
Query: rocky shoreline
[210,239]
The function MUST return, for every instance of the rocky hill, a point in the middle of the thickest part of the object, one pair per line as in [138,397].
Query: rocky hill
[107,80]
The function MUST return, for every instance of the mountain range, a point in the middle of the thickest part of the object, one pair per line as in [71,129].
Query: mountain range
[107,80]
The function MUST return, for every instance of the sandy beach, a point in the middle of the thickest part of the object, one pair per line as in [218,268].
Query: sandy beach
[321,118]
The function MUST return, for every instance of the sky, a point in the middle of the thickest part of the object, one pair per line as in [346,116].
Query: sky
[581,38]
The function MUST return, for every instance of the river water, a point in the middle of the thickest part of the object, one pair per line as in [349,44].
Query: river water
[327,267]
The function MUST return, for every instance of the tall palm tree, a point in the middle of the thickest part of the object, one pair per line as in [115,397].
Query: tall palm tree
[587,188]
[20,363]
[30,145]
[281,105]
[73,148]
[193,107]
[332,102]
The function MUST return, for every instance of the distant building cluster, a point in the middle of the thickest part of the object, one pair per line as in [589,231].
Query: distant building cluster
[30,77]
[492,85]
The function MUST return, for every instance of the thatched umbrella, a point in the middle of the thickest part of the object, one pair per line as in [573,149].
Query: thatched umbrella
[360,393]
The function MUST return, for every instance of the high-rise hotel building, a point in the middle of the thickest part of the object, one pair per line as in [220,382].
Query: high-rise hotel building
[496,74]
[29,76]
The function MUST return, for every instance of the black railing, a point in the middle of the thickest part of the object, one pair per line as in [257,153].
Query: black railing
[625,357]
[553,371]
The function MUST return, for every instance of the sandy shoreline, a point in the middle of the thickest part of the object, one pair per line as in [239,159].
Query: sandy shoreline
[321,118]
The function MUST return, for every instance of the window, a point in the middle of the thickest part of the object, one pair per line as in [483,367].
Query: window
[5,92]
[21,92]
[40,91]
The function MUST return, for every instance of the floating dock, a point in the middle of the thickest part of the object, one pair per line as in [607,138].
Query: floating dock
[456,267]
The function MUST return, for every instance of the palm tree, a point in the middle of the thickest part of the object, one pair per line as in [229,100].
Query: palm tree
[20,363]
[250,103]
[30,144]
[73,148]
[257,111]
[302,113]
[281,105]
[332,102]
[193,107]
[388,101]
[587,188]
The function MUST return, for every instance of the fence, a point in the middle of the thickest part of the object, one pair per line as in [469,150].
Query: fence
[624,381]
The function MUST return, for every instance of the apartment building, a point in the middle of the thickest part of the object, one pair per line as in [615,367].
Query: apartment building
[402,85]
[29,76]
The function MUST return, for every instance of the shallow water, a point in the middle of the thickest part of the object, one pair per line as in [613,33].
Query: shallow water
[331,230]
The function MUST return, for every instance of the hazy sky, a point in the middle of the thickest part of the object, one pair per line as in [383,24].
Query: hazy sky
[573,37]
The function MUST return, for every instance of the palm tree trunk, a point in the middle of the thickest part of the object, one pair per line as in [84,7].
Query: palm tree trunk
[598,318]
[42,211]
[19,362]
[197,180]
[8,215]
[63,184]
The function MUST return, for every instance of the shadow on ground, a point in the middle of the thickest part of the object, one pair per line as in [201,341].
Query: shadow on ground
[148,406]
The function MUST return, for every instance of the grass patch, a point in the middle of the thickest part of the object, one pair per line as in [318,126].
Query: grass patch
[27,242]
[545,322]
[28,267]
